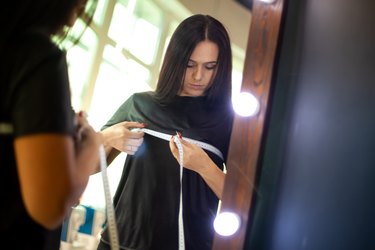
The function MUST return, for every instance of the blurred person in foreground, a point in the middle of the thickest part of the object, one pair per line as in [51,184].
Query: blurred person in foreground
[47,152]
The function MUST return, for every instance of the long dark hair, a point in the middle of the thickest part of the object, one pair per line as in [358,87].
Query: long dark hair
[49,16]
[188,34]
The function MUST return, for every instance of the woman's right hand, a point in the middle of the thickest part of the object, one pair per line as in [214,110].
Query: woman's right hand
[120,137]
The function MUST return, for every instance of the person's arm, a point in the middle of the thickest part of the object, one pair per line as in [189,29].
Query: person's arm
[53,172]
[111,153]
[197,160]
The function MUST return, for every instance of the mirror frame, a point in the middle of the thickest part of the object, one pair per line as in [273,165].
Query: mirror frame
[247,134]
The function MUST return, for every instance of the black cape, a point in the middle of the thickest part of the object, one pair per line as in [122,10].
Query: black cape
[147,199]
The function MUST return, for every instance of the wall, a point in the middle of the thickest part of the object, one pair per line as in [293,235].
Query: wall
[235,17]
[315,186]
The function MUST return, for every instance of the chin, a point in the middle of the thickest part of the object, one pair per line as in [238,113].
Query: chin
[192,93]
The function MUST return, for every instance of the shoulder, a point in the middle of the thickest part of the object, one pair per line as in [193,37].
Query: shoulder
[34,48]
[138,99]
[37,44]
[36,39]
[33,54]
[143,96]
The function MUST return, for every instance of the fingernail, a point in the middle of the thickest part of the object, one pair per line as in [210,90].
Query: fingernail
[82,114]
[179,135]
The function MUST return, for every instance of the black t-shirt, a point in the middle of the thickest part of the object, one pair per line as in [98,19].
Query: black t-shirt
[34,98]
[147,198]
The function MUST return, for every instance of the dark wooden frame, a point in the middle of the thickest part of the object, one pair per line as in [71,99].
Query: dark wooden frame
[247,132]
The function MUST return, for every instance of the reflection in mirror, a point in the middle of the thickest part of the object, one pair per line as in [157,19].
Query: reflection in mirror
[247,132]
[121,54]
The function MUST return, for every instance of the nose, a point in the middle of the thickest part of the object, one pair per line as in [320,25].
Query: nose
[198,73]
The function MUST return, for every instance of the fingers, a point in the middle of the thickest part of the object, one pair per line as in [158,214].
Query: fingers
[185,144]
[131,150]
[136,134]
[172,144]
[86,139]
[134,142]
[120,136]
[131,146]
[173,147]
[83,128]
[130,125]
[81,119]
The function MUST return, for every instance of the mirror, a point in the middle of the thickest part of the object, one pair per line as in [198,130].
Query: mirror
[247,132]
[118,61]
[114,57]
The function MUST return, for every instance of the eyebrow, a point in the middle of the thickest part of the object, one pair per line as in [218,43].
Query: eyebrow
[190,60]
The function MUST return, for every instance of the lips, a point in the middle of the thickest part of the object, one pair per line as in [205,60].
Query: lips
[196,86]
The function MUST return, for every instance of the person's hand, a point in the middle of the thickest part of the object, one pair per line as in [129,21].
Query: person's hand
[85,135]
[87,143]
[194,157]
[120,137]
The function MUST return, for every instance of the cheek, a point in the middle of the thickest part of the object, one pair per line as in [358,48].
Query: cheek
[185,80]
[188,75]
[188,72]
[210,75]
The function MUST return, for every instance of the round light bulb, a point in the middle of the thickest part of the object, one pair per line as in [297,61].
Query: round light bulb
[245,104]
[226,223]
[268,1]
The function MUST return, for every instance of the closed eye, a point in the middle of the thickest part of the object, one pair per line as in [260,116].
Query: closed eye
[211,65]
[190,64]
[208,65]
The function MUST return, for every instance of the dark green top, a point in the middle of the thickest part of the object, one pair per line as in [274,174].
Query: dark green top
[147,198]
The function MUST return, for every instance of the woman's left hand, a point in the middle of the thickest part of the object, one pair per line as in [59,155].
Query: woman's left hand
[197,160]
[194,157]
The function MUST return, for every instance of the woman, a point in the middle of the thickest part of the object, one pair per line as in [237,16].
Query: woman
[47,153]
[192,97]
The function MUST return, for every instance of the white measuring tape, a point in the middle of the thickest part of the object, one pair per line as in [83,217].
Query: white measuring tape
[167,137]
[181,234]
[110,212]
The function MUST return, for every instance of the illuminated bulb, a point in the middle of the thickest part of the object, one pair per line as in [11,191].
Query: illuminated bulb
[226,223]
[245,104]
[267,1]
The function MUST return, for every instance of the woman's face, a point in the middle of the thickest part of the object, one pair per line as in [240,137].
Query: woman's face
[200,69]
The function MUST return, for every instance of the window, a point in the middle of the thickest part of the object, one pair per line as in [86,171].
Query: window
[80,59]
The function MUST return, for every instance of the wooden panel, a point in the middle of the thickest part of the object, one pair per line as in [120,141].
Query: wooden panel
[247,132]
